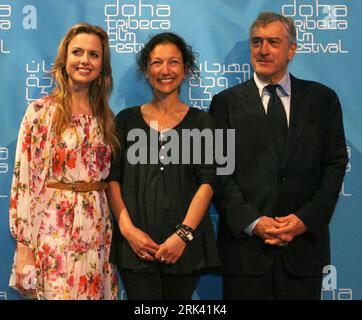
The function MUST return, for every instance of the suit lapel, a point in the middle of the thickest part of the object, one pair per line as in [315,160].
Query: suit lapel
[298,114]
[256,112]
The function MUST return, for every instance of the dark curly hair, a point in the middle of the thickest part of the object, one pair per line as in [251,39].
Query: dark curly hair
[188,56]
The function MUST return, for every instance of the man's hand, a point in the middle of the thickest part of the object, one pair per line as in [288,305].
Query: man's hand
[266,223]
[293,227]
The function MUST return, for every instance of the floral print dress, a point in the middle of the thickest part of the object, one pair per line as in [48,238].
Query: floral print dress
[70,232]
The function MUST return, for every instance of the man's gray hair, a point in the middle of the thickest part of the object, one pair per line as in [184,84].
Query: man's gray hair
[265,18]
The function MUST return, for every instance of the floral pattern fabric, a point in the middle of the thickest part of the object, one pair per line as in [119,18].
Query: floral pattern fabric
[70,232]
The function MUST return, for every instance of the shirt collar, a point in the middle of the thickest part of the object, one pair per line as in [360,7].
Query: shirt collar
[284,84]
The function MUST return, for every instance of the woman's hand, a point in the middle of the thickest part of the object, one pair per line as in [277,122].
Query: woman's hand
[25,275]
[171,250]
[141,243]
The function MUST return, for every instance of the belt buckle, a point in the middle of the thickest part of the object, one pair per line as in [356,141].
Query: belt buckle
[74,186]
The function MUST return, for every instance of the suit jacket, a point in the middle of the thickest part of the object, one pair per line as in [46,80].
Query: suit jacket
[306,182]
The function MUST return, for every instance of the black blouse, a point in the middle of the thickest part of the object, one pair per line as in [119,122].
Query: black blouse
[157,196]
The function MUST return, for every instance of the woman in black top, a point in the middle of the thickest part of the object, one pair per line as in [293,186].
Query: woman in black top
[162,182]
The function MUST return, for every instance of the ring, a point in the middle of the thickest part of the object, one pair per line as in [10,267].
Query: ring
[144,256]
[163,259]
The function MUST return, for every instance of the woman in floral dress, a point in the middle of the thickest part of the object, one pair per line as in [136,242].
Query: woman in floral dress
[59,213]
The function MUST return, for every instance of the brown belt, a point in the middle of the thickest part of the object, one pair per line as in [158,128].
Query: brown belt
[79,186]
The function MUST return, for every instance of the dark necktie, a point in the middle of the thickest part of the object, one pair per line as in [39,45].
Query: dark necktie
[277,119]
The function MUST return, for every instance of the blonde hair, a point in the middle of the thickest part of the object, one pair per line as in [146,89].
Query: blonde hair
[99,91]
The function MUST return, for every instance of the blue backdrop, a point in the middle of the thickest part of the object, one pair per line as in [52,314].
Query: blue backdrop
[328,51]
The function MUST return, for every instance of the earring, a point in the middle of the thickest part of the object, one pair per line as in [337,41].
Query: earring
[99,81]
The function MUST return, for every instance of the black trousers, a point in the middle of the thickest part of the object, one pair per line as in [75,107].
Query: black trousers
[278,284]
[158,286]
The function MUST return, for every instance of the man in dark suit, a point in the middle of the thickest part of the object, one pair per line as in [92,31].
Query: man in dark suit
[290,162]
